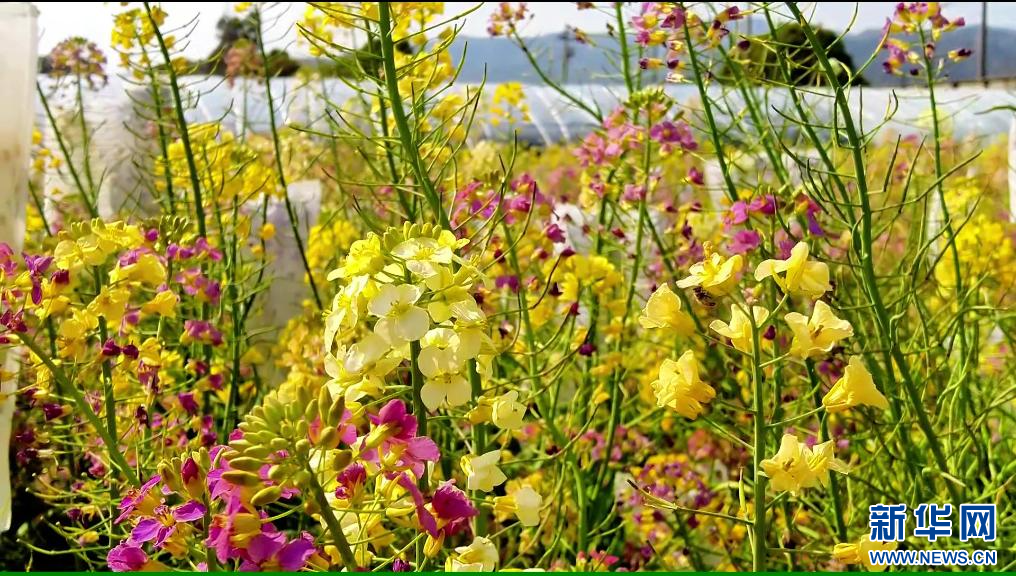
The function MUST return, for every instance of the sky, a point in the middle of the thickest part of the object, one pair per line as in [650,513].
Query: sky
[93,20]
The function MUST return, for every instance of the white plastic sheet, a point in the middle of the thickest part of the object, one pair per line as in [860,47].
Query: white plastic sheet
[17,93]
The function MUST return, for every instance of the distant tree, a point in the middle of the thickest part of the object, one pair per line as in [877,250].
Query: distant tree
[236,54]
[759,57]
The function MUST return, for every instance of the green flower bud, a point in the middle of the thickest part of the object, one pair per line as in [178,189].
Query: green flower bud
[246,464]
[324,402]
[341,460]
[278,473]
[311,412]
[266,496]
[259,452]
[336,410]
[328,438]
[241,478]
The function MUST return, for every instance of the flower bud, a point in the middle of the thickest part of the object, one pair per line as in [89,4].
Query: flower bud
[328,438]
[259,452]
[278,473]
[169,476]
[433,546]
[311,412]
[342,459]
[241,478]
[336,410]
[274,412]
[246,464]
[324,402]
[266,496]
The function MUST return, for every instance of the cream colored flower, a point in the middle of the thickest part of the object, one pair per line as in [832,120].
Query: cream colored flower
[679,387]
[818,335]
[482,472]
[800,276]
[855,388]
[739,328]
[400,319]
[663,310]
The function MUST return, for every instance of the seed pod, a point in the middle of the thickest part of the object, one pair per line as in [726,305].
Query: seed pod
[311,412]
[328,438]
[246,464]
[336,410]
[266,496]
[241,478]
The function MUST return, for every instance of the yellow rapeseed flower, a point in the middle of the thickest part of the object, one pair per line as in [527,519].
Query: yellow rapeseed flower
[739,328]
[855,388]
[818,335]
[715,274]
[663,310]
[795,466]
[680,388]
[800,276]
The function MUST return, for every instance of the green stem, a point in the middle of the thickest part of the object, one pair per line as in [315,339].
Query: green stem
[824,436]
[479,447]
[410,150]
[112,449]
[338,536]
[419,408]
[707,108]
[85,194]
[867,264]
[280,173]
[622,40]
[181,120]
[759,551]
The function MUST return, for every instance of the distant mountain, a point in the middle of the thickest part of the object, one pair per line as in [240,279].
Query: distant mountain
[597,63]
[503,61]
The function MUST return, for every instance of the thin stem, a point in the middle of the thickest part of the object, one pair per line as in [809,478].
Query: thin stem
[174,86]
[867,264]
[112,448]
[410,150]
[279,170]
[834,488]
[338,536]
